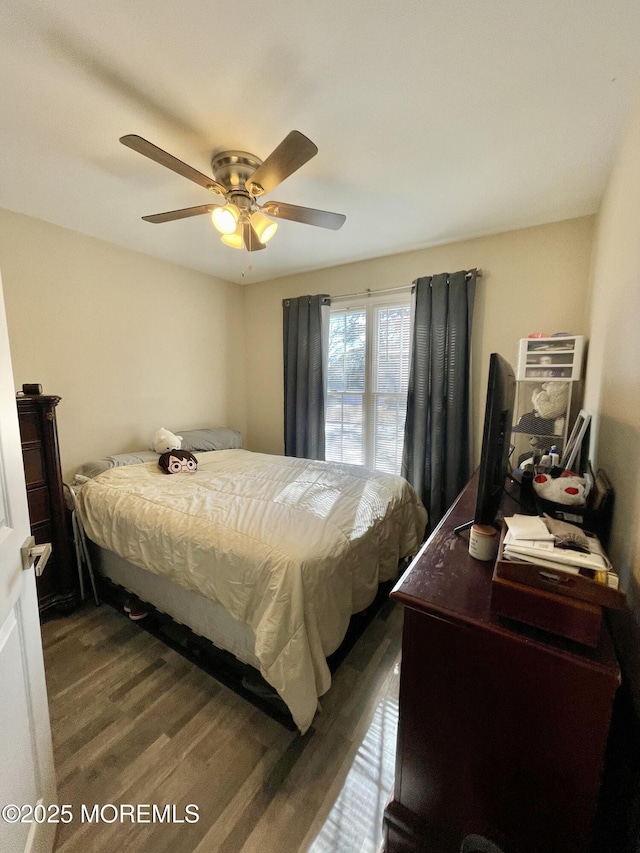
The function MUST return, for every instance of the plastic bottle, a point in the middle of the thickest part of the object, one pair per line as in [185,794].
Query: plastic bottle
[554,456]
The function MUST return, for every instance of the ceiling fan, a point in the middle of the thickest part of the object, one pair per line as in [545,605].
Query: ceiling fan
[239,180]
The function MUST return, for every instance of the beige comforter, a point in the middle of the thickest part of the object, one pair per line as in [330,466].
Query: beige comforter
[291,547]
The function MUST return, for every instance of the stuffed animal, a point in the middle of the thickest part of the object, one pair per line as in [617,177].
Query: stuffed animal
[562,490]
[164,440]
[551,400]
[177,461]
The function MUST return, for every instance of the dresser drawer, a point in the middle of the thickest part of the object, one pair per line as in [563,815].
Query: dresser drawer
[29,427]
[39,506]
[34,471]
[43,532]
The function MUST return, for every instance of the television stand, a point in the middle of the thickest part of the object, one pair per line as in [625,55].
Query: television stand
[502,728]
[462,527]
[469,524]
[524,505]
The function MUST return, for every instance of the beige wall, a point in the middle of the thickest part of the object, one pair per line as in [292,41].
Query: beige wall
[132,343]
[535,279]
[613,379]
[129,343]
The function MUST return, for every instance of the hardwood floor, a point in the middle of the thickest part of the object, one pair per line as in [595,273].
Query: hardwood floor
[135,723]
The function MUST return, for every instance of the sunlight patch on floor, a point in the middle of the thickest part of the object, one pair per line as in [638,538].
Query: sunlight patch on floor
[354,824]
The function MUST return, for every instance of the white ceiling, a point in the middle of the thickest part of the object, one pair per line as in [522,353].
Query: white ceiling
[435,121]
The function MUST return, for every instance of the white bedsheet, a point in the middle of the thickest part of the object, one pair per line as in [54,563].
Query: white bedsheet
[291,547]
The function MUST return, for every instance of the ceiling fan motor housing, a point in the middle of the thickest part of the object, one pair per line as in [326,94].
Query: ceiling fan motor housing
[233,168]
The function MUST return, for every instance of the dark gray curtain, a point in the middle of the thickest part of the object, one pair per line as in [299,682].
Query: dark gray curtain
[304,375]
[436,457]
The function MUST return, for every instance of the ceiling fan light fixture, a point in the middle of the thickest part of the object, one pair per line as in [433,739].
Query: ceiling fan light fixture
[240,178]
[234,240]
[264,227]
[225,218]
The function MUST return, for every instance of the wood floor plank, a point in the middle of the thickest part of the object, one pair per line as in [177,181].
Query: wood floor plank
[134,723]
[234,824]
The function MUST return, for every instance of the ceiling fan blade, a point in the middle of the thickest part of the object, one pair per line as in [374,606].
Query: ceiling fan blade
[307,215]
[251,240]
[170,215]
[148,149]
[294,151]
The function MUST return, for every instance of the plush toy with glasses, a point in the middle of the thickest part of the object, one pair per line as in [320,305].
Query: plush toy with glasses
[178,461]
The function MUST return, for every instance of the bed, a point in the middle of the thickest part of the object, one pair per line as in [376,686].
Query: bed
[266,556]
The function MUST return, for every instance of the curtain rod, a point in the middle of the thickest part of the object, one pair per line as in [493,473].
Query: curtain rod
[369,292]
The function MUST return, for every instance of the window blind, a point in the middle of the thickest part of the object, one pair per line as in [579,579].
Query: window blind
[368,370]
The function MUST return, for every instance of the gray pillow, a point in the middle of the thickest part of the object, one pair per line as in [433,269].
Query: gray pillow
[216,438]
[97,466]
[193,440]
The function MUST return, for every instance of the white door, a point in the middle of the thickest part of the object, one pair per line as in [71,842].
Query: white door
[27,776]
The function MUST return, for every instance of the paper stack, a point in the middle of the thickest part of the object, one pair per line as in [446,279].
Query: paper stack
[529,540]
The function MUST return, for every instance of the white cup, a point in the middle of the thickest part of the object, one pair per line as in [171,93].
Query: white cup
[483,542]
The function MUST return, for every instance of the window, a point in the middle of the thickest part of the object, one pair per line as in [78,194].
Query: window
[368,371]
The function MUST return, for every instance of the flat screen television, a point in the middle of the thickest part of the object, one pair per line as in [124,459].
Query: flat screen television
[496,436]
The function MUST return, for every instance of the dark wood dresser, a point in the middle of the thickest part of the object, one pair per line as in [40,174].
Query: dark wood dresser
[502,729]
[57,587]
